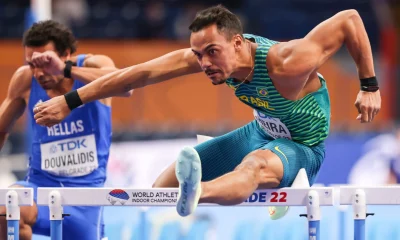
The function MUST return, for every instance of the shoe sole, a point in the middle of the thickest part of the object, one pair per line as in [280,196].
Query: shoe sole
[188,173]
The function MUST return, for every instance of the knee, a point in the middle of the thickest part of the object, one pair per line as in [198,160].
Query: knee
[263,167]
[25,231]
[254,161]
[29,215]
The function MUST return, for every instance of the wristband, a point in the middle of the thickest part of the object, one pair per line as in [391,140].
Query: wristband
[73,100]
[67,69]
[369,84]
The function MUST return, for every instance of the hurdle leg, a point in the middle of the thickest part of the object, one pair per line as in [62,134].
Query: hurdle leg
[313,215]
[143,223]
[56,215]
[359,214]
[12,215]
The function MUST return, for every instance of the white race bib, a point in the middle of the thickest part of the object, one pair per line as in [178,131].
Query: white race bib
[273,126]
[72,157]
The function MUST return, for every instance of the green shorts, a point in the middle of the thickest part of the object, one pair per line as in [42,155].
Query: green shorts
[223,154]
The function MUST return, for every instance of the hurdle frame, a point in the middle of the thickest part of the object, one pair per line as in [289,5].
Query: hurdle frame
[13,199]
[57,198]
[361,196]
[56,215]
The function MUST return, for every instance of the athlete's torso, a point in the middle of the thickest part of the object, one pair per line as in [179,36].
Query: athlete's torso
[75,150]
[306,120]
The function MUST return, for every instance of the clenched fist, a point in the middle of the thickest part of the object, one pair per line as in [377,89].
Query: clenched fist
[49,61]
[368,105]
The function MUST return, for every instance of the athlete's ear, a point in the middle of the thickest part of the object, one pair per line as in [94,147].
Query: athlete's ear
[238,42]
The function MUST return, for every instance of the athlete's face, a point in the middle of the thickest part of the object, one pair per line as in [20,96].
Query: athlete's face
[215,53]
[45,80]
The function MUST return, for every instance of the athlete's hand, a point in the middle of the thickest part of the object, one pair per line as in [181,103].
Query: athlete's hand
[49,61]
[368,105]
[51,112]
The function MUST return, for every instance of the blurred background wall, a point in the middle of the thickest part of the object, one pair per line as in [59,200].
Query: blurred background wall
[150,127]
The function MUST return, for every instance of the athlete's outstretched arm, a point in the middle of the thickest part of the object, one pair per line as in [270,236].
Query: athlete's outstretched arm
[104,64]
[14,104]
[296,60]
[171,65]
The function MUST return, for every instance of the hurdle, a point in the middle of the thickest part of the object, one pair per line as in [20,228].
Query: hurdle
[359,197]
[13,198]
[56,198]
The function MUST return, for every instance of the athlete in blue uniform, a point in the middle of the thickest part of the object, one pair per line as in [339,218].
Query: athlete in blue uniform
[73,153]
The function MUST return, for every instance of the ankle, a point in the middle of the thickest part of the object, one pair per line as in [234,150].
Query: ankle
[204,197]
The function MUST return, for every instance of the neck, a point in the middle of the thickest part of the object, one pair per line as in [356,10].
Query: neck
[245,63]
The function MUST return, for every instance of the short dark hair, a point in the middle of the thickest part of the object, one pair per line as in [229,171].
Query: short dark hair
[43,32]
[225,20]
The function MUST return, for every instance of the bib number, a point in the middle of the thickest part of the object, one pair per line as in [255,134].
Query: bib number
[272,126]
[72,157]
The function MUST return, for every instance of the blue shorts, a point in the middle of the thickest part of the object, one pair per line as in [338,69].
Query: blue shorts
[223,154]
[84,223]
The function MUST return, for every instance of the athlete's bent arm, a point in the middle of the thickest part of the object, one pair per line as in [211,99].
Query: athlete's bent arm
[296,60]
[304,56]
[94,66]
[14,104]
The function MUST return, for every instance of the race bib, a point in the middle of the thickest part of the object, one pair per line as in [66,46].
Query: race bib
[72,157]
[272,126]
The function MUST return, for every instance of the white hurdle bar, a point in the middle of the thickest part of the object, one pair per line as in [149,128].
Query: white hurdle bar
[13,198]
[56,198]
[359,197]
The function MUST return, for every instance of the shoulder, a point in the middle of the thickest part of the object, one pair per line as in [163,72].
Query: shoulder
[98,61]
[24,72]
[20,82]
[292,59]
[95,61]
[22,76]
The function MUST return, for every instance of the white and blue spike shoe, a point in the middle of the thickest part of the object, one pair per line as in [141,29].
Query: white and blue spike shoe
[188,173]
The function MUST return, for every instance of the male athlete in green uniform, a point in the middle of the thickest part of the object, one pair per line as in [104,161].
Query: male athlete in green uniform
[279,80]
